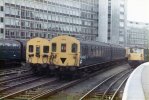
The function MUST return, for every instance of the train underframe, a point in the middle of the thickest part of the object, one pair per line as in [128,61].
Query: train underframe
[39,69]
[72,72]
[43,69]
[10,63]
[135,63]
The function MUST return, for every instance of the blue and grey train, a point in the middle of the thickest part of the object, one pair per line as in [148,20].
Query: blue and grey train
[11,52]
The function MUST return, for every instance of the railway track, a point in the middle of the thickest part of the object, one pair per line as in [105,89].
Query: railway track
[14,79]
[31,89]
[51,92]
[39,90]
[10,78]
[44,90]
[108,88]
[12,71]
[4,86]
[15,88]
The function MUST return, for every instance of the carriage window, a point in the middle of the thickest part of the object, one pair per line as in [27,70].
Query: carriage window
[30,48]
[53,47]
[45,49]
[135,50]
[63,47]
[74,48]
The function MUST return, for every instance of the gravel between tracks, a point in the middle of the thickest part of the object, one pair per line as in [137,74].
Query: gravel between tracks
[20,88]
[75,92]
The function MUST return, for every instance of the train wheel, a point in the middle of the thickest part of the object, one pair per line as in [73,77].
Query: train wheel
[47,71]
[34,70]
[76,75]
[60,76]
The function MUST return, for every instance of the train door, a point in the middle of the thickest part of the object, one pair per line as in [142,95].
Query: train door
[30,48]
[45,54]
[37,51]
[74,51]
[63,48]
[30,55]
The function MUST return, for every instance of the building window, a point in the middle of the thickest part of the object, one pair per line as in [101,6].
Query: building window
[1,19]
[7,33]
[23,13]
[1,8]
[12,33]
[31,34]
[2,31]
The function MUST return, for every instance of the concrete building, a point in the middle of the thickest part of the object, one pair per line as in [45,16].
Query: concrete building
[24,19]
[112,21]
[137,34]
[102,20]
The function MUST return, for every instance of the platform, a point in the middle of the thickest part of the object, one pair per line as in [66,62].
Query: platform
[137,86]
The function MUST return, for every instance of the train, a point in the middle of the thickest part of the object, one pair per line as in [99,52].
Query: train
[68,55]
[38,54]
[12,52]
[136,56]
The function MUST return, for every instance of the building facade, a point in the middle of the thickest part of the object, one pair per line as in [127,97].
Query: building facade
[25,19]
[112,21]
[137,34]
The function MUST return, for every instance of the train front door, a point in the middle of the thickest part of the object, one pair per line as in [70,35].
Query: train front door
[37,51]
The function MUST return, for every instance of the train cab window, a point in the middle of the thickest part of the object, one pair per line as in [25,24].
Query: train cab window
[74,48]
[131,50]
[37,50]
[30,48]
[53,47]
[63,47]
[45,49]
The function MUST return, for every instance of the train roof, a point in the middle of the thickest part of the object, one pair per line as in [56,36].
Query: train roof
[87,42]
[65,37]
[94,43]
[9,42]
[38,40]
[100,43]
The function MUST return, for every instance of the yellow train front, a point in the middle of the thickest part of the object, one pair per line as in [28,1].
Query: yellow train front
[135,56]
[65,53]
[38,54]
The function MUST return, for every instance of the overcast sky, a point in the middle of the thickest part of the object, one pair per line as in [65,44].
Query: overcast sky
[138,10]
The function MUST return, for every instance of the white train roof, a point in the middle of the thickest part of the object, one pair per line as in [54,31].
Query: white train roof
[137,86]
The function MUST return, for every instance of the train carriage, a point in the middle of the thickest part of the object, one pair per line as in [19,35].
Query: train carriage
[69,54]
[11,52]
[94,52]
[38,54]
